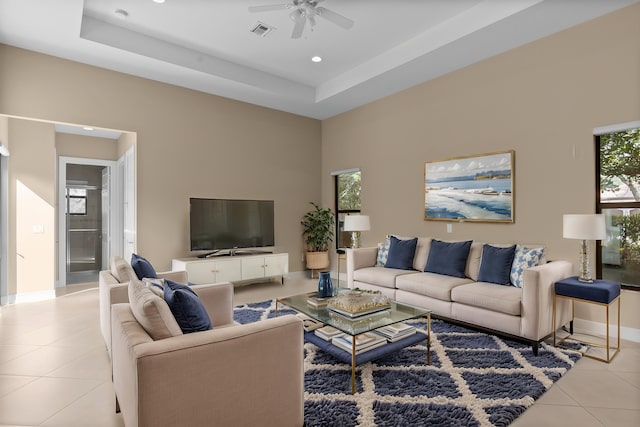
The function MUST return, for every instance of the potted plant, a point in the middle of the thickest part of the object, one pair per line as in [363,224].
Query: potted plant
[317,229]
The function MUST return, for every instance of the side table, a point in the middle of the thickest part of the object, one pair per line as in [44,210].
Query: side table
[602,293]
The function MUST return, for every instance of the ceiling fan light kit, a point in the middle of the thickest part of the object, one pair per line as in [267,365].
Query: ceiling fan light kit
[303,11]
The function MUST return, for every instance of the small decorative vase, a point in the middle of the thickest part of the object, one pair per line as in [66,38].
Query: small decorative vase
[325,286]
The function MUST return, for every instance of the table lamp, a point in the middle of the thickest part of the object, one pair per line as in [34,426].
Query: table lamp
[584,227]
[356,224]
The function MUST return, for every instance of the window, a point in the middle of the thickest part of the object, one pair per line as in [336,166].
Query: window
[77,201]
[618,198]
[347,191]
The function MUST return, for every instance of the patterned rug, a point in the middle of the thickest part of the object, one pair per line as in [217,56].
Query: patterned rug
[474,379]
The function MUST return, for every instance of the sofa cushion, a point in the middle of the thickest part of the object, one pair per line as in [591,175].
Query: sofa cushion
[449,258]
[422,253]
[122,270]
[156,286]
[383,252]
[401,253]
[495,266]
[473,260]
[186,307]
[430,284]
[152,312]
[142,267]
[502,299]
[379,276]
[524,258]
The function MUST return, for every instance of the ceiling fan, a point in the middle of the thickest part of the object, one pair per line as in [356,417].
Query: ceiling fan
[303,11]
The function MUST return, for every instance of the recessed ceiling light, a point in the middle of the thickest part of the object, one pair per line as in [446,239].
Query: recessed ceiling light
[316,59]
[158,1]
[121,13]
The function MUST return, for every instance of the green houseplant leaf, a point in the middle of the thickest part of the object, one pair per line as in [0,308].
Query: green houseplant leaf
[317,228]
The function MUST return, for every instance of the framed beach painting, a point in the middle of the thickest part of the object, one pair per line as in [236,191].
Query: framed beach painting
[471,188]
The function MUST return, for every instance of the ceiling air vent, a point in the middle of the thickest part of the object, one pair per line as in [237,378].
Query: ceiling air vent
[262,29]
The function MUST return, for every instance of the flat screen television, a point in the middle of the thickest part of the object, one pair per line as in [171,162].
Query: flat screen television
[221,224]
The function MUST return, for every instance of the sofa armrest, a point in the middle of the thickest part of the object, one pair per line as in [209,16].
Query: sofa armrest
[360,258]
[538,289]
[110,292]
[240,375]
[218,300]
[179,276]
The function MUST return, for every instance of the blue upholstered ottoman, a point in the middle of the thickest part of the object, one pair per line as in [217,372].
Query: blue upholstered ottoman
[600,292]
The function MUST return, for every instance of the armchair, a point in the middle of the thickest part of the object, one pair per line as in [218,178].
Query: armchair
[231,375]
[113,285]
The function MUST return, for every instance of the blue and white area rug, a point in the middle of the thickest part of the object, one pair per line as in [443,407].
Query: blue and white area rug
[474,379]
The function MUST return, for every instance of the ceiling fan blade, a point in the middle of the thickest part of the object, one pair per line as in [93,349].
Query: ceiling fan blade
[299,27]
[270,7]
[336,18]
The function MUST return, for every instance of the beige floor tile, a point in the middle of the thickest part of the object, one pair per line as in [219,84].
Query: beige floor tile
[11,383]
[632,378]
[94,365]
[95,409]
[8,352]
[43,360]
[600,389]
[556,416]
[556,396]
[41,399]
[616,417]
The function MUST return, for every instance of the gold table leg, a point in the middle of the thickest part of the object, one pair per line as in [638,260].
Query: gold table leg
[353,364]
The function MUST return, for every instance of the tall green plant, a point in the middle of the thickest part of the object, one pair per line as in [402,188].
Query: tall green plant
[317,227]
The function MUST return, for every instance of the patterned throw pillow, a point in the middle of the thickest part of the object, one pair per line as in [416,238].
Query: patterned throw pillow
[383,252]
[523,259]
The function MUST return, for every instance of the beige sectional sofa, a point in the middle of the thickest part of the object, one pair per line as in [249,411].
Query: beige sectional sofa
[522,312]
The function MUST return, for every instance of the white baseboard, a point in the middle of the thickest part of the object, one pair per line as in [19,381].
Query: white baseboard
[29,297]
[599,329]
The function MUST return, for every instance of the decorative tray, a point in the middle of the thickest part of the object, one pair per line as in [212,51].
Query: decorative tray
[356,304]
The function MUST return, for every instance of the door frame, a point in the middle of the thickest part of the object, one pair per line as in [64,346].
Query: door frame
[115,220]
[4,227]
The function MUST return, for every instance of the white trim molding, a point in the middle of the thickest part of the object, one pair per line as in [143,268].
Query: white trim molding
[598,329]
[621,127]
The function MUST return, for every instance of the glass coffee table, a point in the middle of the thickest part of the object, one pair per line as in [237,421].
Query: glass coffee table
[396,313]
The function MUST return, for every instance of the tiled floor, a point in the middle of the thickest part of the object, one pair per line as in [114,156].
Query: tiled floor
[54,370]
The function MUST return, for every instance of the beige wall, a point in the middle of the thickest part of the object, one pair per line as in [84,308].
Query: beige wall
[541,100]
[86,147]
[31,207]
[188,144]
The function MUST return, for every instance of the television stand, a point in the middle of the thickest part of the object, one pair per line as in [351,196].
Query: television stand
[222,267]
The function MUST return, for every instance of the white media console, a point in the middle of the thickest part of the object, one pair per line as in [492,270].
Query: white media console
[237,268]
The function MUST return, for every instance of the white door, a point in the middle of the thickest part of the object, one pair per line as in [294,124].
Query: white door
[106,224]
[129,207]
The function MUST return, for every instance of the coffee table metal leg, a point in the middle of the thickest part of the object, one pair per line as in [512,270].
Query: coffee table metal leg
[353,364]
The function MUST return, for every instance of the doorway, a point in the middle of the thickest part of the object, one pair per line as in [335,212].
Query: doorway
[86,220]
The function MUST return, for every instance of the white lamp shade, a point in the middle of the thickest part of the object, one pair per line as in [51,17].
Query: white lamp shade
[357,223]
[584,227]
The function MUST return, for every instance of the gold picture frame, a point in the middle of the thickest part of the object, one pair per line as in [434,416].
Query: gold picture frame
[472,188]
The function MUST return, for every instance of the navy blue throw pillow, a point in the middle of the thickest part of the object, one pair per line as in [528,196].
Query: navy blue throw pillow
[142,267]
[401,253]
[186,307]
[495,266]
[448,258]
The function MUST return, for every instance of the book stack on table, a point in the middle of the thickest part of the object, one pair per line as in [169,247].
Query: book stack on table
[396,332]
[308,323]
[327,333]
[364,342]
[317,302]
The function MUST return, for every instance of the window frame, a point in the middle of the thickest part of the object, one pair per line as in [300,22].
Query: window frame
[600,206]
[339,249]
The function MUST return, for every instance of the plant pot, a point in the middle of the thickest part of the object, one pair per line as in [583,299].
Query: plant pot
[317,260]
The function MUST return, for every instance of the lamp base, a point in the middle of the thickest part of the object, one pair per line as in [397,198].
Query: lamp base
[585,271]
[355,239]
